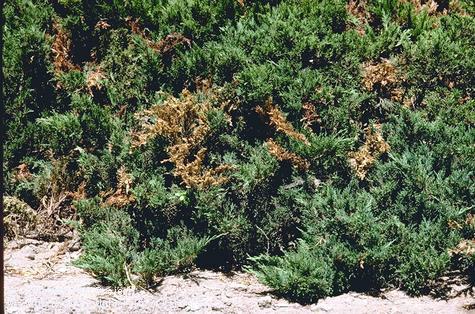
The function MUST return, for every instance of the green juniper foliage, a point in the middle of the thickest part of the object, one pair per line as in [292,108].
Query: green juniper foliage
[324,146]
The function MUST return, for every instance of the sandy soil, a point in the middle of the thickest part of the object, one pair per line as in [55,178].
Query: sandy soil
[39,278]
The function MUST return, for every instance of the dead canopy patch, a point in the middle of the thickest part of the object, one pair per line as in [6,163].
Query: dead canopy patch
[61,49]
[163,46]
[183,121]
[384,79]
[277,119]
[374,146]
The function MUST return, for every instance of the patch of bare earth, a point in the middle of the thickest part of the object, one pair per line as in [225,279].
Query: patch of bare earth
[39,278]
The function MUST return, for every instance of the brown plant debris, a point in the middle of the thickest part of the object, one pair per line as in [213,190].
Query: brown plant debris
[165,45]
[282,154]
[431,6]
[383,79]
[310,116]
[102,24]
[55,201]
[465,247]
[94,79]
[23,173]
[357,8]
[469,221]
[121,197]
[278,120]
[19,217]
[183,121]
[374,146]
[61,49]
[80,193]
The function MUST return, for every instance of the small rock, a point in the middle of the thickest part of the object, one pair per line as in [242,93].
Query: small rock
[13,245]
[194,307]
[265,302]
[217,308]
[29,252]
[75,247]
[182,306]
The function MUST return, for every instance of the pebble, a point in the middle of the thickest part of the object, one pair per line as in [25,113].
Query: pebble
[265,302]
[29,252]
[75,247]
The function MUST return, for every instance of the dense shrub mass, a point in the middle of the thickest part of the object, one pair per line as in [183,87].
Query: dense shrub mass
[325,146]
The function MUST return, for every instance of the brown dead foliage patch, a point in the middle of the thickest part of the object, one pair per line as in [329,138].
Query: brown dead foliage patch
[165,45]
[121,197]
[310,116]
[61,50]
[102,24]
[384,79]
[183,121]
[456,7]
[434,7]
[282,154]
[469,221]
[22,173]
[465,247]
[54,193]
[430,6]
[437,7]
[94,79]
[278,120]
[55,205]
[374,146]
[358,8]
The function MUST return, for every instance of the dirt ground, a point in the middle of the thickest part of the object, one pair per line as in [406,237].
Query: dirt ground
[39,278]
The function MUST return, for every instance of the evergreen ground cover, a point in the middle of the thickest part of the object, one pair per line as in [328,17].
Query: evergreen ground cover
[325,146]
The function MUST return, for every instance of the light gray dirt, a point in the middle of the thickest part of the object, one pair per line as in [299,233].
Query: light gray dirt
[39,278]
